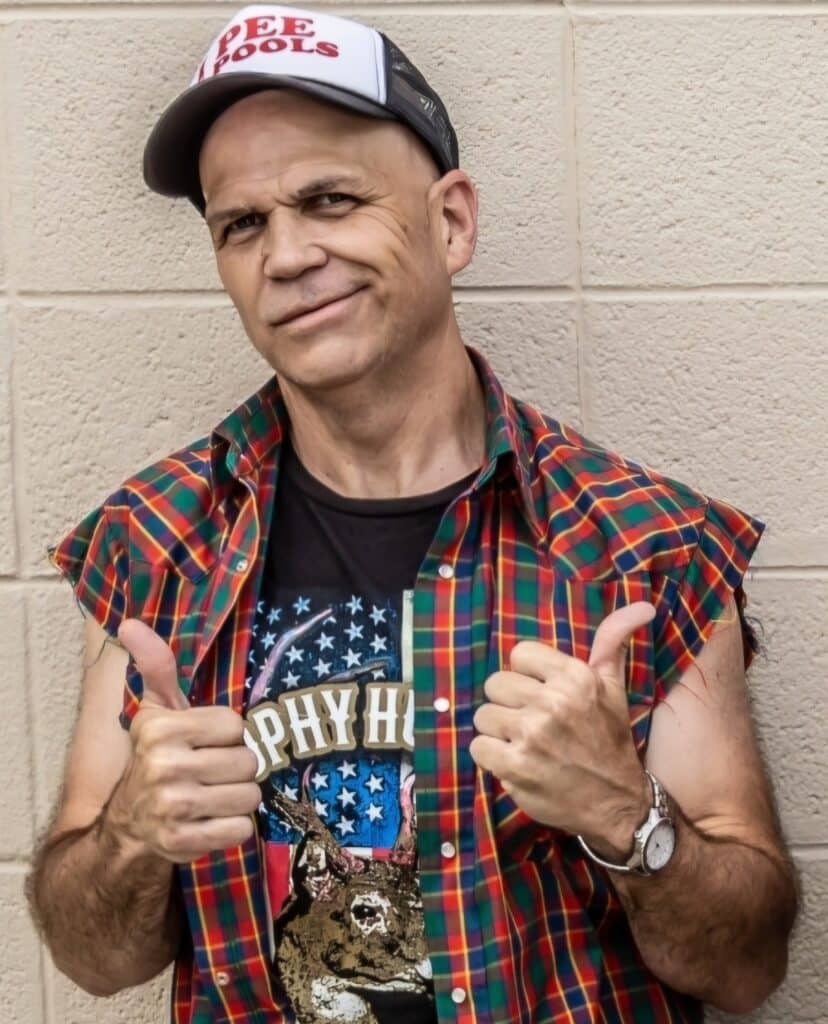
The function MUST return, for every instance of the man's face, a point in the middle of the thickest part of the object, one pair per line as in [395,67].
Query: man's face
[284,243]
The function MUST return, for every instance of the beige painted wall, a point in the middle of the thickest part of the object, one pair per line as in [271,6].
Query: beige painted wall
[652,267]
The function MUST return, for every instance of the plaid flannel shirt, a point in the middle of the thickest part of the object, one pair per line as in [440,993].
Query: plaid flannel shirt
[553,534]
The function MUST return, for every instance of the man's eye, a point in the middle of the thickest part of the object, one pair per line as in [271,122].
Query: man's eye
[338,196]
[249,220]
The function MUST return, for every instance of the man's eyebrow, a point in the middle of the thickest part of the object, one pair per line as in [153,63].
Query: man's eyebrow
[327,184]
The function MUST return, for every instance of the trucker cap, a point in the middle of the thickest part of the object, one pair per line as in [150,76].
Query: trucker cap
[265,47]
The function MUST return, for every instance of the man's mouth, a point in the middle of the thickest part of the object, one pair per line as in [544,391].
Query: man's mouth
[330,308]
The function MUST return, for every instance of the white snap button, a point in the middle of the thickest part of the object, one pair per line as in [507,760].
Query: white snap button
[222,978]
[242,565]
[448,850]
[458,995]
[441,704]
[446,571]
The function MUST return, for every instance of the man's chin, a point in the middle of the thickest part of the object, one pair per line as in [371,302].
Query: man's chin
[320,363]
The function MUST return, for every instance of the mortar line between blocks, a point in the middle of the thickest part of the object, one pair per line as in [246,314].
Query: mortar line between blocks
[578,292]
[91,10]
[570,64]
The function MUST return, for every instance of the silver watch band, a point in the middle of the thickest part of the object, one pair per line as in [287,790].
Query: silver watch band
[635,865]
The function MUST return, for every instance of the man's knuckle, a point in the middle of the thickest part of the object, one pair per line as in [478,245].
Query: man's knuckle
[249,765]
[252,797]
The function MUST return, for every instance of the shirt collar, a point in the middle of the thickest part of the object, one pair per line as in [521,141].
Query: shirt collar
[242,440]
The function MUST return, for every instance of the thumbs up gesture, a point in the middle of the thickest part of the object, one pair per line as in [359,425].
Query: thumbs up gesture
[188,788]
[556,733]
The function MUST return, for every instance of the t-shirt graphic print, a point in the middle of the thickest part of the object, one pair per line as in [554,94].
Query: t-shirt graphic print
[337,812]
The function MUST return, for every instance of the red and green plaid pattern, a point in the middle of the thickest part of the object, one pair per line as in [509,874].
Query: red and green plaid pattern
[553,534]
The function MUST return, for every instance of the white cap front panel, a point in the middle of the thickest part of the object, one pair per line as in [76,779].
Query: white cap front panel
[307,44]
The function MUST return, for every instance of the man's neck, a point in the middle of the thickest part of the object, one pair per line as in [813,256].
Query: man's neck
[419,429]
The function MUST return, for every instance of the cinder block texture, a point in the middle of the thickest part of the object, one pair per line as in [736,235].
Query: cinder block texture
[725,394]
[702,148]
[20,979]
[787,687]
[105,391]
[55,643]
[533,349]
[803,997]
[144,1004]
[16,793]
[8,543]
[86,221]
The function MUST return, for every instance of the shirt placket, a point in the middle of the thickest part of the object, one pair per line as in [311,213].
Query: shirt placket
[443,688]
[236,984]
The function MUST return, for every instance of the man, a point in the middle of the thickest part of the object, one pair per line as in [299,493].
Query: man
[382,579]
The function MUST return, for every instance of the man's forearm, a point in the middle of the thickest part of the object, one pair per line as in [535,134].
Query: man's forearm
[110,915]
[715,922]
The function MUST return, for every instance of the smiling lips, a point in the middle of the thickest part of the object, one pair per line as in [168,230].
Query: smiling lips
[312,309]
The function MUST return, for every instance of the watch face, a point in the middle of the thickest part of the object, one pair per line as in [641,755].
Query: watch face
[660,846]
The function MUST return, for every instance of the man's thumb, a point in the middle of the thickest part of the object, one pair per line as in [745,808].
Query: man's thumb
[156,663]
[612,638]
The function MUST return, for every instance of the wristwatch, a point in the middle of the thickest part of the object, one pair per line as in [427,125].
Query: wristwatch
[654,840]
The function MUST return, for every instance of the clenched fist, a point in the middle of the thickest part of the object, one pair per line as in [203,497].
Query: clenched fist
[189,787]
[556,732]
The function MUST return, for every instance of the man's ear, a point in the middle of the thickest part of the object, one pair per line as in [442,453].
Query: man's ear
[455,196]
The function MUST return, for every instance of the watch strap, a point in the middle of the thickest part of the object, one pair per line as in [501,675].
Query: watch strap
[635,865]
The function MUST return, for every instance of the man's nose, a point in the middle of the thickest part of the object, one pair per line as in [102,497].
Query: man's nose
[288,245]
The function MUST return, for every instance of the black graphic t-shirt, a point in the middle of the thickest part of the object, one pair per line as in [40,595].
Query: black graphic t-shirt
[330,714]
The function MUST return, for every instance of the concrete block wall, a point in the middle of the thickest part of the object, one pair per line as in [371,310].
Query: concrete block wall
[652,267]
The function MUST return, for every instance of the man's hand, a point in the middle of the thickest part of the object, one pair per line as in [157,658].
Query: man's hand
[189,787]
[557,734]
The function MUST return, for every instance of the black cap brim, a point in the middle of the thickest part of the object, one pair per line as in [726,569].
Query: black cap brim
[173,147]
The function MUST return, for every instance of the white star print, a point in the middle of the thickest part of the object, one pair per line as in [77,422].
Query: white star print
[331,618]
[374,812]
[321,808]
[319,780]
[346,797]
[352,658]
[348,769]
[354,605]
[255,629]
[290,680]
[345,826]
[260,607]
[354,631]
[378,643]
[378,673]
[273,615]
[290,791]
[268,640]
[301,604]
[378,615]
[324,641]
[294,654]
[322,668]
[375,783]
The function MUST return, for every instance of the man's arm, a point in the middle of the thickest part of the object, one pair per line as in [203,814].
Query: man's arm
[177,787]
[715,922]
[107,910]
